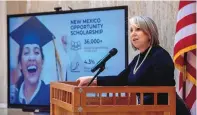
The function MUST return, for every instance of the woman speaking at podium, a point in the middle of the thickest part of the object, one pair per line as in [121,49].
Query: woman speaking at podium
[153,66]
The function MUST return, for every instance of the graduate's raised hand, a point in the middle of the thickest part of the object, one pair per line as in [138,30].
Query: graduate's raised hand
[64,41]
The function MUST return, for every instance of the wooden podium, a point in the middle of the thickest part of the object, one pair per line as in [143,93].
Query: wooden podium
[66,98]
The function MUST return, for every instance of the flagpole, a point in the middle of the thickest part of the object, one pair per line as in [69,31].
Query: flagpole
[184,76]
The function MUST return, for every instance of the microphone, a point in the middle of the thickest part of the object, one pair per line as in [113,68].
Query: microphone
[111,53]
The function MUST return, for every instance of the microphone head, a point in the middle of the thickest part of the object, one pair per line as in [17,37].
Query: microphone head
[113,51]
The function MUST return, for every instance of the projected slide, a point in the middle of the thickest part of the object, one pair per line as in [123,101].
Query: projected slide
[61,47]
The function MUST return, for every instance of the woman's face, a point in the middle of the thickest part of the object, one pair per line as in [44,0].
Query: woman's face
[31,63]
[139,38]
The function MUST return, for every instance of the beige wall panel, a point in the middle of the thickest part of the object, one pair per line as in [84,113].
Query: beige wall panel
[16,7]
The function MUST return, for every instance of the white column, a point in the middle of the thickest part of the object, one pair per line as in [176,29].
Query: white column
[3,55]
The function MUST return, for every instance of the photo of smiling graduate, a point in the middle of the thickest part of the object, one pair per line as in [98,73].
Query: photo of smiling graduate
[31,36]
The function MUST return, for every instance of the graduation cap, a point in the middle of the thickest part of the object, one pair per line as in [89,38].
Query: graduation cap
[32,32]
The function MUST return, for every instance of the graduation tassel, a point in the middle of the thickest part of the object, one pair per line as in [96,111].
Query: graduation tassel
[58,63]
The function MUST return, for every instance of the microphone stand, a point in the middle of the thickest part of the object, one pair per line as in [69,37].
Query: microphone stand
[99,71]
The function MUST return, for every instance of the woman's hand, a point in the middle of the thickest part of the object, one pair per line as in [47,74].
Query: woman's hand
[64,41]
[83,81]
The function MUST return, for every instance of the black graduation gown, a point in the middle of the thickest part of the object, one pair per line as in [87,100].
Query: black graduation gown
[156,70]
[41,98]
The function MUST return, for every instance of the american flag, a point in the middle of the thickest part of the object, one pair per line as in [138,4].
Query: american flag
[185,52]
